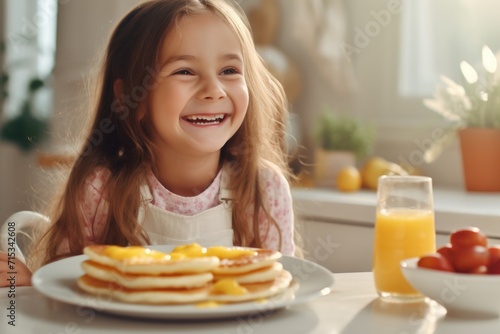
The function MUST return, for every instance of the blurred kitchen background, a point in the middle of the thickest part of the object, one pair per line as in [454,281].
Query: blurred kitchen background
[375,61]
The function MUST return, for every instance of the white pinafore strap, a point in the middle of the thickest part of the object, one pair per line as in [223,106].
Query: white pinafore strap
[208,228]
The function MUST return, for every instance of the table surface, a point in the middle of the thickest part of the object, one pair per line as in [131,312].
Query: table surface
[351,307]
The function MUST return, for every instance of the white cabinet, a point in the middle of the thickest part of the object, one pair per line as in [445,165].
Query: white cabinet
[340,247]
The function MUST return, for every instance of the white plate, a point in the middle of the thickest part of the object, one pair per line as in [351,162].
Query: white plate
[57,281]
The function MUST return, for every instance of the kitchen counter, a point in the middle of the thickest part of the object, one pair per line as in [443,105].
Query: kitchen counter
[337,228]
[453,208]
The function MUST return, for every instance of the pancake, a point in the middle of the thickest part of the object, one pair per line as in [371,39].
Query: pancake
[144,296]
[261,258]
[260,275]
[134,281]
[255,290]
[232,260]
[243,274]
[140,260]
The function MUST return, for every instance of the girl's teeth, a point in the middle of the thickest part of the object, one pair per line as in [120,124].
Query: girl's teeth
[205,120]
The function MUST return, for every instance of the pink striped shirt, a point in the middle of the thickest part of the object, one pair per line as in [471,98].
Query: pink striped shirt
[276,192]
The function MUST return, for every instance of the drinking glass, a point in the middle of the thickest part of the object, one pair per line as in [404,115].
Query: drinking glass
[404,228]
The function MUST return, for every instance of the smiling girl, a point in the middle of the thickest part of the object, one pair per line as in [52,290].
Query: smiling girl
[192,148]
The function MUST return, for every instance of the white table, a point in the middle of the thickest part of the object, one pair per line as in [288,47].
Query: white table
[351,307]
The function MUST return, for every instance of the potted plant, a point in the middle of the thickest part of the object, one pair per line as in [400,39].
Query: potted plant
[472,112]
[25,130]
[341,141]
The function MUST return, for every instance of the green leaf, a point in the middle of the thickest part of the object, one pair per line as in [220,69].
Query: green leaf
[4,78]
[344,134]
[35,84]
[25,130]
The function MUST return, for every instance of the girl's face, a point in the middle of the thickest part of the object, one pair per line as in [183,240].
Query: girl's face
[201,98]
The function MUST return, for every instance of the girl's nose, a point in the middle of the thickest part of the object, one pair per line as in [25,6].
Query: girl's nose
[212,89]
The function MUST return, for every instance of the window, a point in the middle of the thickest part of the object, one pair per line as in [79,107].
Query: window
[30,42]
[436,35]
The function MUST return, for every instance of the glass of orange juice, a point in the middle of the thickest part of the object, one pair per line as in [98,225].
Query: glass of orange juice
[404,228]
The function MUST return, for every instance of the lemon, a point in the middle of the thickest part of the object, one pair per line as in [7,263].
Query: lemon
[376,167]
[349,179]
[372,170]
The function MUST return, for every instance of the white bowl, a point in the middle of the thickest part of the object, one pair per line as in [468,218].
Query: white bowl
[461,294]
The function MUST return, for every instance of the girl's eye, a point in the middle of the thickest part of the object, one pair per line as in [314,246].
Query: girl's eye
[230,71]
[183,72]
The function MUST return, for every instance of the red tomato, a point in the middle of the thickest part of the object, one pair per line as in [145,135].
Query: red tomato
[494,252]
[434,261]
[446,252]
[481,270]
[468,237]
[468,259]
[494,268]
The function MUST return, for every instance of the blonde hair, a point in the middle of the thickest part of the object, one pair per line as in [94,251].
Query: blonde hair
[126,151]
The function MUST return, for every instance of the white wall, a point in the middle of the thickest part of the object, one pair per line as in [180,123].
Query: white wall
[83,30]
[401,135]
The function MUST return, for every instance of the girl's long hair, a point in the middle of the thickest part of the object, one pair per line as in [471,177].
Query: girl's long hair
[118,141]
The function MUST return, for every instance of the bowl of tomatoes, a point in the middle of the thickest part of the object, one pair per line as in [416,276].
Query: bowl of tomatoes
[463,276]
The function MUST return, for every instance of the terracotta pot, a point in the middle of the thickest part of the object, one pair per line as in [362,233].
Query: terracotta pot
[327,164]
[481,158]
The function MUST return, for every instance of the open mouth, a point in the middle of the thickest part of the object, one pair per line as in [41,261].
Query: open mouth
[205,119]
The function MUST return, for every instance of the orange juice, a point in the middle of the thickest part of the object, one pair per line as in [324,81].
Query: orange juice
[400,234]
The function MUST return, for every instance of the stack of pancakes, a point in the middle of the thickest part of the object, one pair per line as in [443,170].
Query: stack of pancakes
[139,275]
[188,274]
[258,274]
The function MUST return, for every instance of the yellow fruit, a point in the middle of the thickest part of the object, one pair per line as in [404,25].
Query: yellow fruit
[376,167]
[349,179]
[372,170]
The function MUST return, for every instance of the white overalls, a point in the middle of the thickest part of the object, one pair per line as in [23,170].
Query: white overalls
[208,228]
